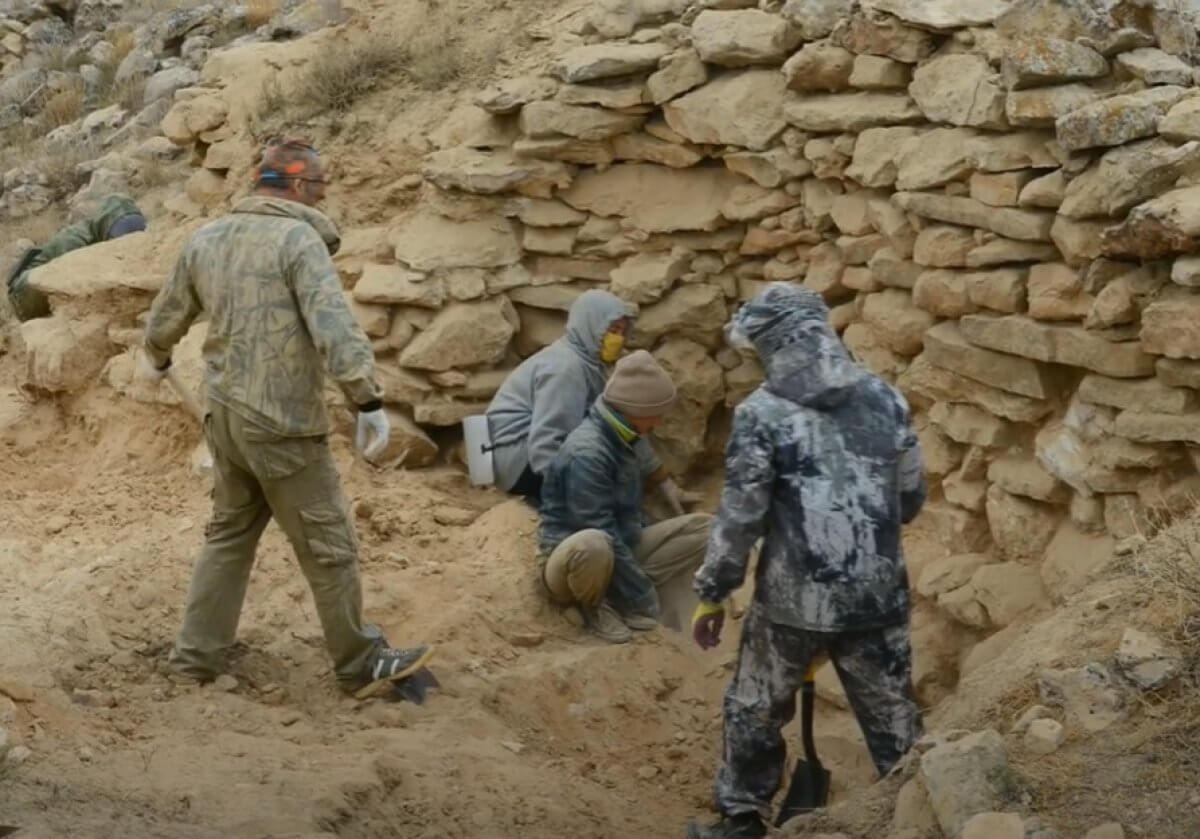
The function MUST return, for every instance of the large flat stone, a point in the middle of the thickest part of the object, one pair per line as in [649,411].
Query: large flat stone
[1147,427]
[946,347]
[1163,226]
[1070,345]
[960,90]
[850,112]
[942,14]
[1170,326]
[1128,175]
[1137,395]
[655,199]
[430,242]
[737,109]
[549,119]
[601,61]
[935,383]
[1028,225]
[739,37]
[1042,106]
[1036,62]
[1117,119]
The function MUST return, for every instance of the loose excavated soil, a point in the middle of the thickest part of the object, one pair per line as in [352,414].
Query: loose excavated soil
[537,730]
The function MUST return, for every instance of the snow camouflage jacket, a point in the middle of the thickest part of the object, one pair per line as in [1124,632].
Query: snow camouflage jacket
[276,311]
[823,464]
[594,482]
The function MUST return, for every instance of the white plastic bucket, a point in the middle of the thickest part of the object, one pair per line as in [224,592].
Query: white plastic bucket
[478,441]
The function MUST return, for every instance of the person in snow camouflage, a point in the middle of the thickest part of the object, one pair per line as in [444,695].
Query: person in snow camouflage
[549,394]
[823,465]
[264,276]
[594,552]
[116,216]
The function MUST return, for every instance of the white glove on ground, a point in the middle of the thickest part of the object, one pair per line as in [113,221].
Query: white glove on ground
[148,371]
[376,423]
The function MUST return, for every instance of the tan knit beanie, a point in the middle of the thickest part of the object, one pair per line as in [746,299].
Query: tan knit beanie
[639,387]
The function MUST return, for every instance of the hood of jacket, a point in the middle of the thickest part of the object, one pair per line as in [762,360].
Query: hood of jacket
[589,318]
[113,207]
[270,206]
[803,358]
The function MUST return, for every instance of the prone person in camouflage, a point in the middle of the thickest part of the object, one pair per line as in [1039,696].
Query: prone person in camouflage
[823,464]
[116,216]
[593,552]
[264,276]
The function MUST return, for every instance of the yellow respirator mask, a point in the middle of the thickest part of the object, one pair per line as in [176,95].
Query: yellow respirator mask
[611,346]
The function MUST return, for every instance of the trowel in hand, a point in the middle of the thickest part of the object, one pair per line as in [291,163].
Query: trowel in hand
[809,788]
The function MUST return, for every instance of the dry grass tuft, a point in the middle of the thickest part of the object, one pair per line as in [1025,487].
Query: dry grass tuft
[65,106]
[1169,567]
[338,78]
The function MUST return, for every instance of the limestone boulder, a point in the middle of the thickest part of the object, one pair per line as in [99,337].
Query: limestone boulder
[1068,345]
[742,108]
[1163,226]
[1138,395]
[821,66]
[1001,251]
[943,246]
[428,241]
[1147,660]
[1169,327]
[463,335]
[874,72]
[408,446]
[1046,191]
[942,14]
[1128,175]
[971,425]
[1056,293]
[1155,67]
[850,112]
[1027,478]
[510,95]
[887,36]
[677,73]
[1117,119]
[1089,695]
[549,118]
[1182,121]
[395,285]
[771,168]
[646,277]
[1029,225]
[740,37]
[948,573]
[695,311]
[701,385]
[655,199]
[900,325]
[1008,590]
[959,90]
[1042,106]
[1040,61]
[926,380]
[601,61]
[193,116]
[816,19]
[946,347]
[1079,241]
[1021,527]
[962,778]
[63,355]
[114,275]
[494,172]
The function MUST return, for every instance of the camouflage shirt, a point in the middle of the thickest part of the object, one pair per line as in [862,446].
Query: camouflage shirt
[823,465]
[264,276]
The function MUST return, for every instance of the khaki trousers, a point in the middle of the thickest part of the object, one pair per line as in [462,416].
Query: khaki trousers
[258,475]
[578,570]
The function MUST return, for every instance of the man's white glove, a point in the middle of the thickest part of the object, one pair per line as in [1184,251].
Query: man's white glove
[376,423]
[146,369]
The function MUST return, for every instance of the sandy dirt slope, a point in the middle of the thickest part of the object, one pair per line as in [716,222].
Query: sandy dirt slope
[536,732]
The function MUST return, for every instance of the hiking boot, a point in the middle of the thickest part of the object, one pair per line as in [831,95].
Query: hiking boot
[386,666]
[605,624]
[640,623]
[741,826]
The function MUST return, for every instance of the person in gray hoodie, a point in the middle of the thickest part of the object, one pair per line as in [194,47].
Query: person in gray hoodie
[547,396]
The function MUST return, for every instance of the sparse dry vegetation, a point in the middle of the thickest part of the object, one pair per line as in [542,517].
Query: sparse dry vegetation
[65,106]
[1169,566]
[338,78]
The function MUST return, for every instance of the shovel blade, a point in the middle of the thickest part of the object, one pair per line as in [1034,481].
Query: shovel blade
[808,791]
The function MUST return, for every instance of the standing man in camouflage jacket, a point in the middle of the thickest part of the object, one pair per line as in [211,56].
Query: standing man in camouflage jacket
[264,277]
[823,465]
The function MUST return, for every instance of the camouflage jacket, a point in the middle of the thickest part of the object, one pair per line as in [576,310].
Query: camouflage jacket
[87,232]
[264,276]
[823,465]
[595,482]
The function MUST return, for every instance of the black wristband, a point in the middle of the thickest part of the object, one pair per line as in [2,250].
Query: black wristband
[373,405]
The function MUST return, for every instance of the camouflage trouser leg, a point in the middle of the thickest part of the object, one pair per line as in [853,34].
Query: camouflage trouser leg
[258,476]
[27,302]
[875,668]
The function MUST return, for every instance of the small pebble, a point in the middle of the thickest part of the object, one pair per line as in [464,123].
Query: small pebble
[18,755]
[647,772]
[86,755]
[225,682]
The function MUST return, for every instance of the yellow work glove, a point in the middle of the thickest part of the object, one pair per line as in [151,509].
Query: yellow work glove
[707,620]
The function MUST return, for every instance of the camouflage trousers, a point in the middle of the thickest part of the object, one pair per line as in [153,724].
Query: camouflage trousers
[258,476]
[875,668]
[27,302]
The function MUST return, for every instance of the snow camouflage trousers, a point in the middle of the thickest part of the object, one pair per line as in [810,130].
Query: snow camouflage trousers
[875,668]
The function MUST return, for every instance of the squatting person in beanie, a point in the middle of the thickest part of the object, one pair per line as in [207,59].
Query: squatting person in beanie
[276,319]
[823,465]
[116,216]
[593,551]
[548,395]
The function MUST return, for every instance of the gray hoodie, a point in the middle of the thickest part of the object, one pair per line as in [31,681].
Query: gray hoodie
[549,394]
[823,464]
